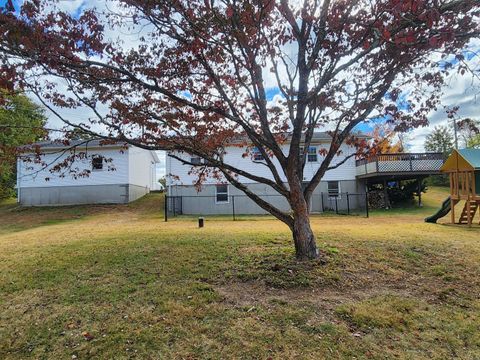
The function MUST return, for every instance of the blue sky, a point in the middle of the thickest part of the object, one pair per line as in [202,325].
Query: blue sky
[16,3]
[271,92]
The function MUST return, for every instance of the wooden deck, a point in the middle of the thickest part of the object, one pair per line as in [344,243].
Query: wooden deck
[399,166]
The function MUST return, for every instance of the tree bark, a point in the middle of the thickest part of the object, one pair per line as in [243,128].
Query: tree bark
[303,236]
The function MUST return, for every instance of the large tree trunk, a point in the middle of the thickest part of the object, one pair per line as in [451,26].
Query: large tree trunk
[303,237]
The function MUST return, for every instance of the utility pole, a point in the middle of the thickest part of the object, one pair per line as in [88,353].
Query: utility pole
[455,133]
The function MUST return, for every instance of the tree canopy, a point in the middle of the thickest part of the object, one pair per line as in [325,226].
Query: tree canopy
[474,142]
[199,74]
[440,140]
[21,123]
[469,132]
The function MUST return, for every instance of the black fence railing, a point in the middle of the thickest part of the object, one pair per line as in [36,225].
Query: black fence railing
[345,203]
[173,206]
[235,205]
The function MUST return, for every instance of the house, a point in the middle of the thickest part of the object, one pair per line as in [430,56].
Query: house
[99,174]
[339,188]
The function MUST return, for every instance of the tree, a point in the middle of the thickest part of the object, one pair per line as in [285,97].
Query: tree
[163,181]
[474,142]
[386,141]
[440,140]
[469,131]
[198,77]
[21,123]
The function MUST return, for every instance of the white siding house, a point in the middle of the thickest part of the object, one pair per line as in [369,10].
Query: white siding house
[215,196]
[117,174]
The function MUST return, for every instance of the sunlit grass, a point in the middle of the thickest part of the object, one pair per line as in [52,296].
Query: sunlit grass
[387,286]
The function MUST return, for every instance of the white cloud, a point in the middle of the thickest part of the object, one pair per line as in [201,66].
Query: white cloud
[459,91]
[72,6]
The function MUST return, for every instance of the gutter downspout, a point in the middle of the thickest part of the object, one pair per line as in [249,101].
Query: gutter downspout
[19,172]
[167,174]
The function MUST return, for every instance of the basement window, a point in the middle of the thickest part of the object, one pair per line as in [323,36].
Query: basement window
[221,194]
[333,189]
[97,163]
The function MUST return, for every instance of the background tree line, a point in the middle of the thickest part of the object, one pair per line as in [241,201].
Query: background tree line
[444,139]
[22,122]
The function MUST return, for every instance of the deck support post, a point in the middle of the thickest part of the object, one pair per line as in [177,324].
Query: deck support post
[166,208]
[385,195]
[419,191]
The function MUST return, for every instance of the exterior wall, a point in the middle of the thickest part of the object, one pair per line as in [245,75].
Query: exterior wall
[78,195]
[132,178]
[355,188]
[32,175]
[136,192]
[74,195]
[204,202]
[179,183]
[178,174]
[141,170]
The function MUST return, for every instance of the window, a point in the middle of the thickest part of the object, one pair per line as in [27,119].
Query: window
[333,189]
[97,163]
[256,154]
[312,154]
[196,160]
[221,194]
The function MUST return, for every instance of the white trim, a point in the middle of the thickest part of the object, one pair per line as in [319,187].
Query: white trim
[316,154]
[306,157]
[19,179]
[228,194]
[154,155]
[339,190]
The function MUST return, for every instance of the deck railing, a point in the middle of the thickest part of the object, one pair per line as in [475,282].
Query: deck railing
[400,162]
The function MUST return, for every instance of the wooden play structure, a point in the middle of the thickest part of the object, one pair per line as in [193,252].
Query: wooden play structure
[463,167]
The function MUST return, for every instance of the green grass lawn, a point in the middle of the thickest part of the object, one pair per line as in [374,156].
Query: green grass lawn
[117,282]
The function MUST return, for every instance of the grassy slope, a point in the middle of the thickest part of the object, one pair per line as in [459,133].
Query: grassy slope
[389,286]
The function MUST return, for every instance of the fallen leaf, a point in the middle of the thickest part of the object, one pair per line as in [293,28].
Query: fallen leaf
[87,335]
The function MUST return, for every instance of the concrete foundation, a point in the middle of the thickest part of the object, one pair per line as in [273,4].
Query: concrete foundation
[204,202]
[78,195]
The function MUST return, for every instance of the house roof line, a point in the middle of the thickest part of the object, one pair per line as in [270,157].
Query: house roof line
[317,136]
[89,143]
